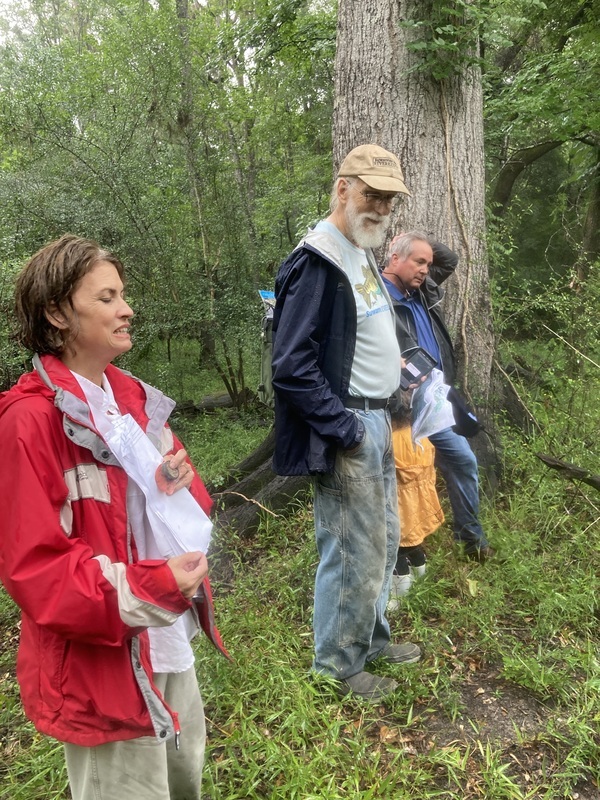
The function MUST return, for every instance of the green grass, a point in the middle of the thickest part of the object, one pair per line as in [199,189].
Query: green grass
[277,732]
[219,440]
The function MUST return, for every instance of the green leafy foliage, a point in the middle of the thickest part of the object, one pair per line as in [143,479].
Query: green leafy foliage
[12,363]
[539,61]
[445,35]
[193,144]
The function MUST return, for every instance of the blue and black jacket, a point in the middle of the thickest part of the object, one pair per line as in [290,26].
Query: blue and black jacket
[431,294]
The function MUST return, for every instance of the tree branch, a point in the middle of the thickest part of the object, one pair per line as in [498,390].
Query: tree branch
[570,471]
[505,180]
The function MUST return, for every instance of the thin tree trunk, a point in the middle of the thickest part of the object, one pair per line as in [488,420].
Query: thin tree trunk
[591,225]
[510,171]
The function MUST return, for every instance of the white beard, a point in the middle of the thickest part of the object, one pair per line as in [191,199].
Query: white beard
[366,234]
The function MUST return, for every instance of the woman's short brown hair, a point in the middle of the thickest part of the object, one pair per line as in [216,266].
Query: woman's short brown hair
[47,283]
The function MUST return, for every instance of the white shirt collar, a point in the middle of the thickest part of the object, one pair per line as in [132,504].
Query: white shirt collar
[100,399]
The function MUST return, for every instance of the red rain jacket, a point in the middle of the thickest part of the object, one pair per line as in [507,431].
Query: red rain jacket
[85,675]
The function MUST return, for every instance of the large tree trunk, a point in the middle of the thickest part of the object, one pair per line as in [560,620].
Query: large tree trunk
[436,129]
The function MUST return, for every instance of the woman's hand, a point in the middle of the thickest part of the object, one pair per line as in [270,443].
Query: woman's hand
[174,473]
[189,570]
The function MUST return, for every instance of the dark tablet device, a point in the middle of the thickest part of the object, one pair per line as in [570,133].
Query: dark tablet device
[418,364]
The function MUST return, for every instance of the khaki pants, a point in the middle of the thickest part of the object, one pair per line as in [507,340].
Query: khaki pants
[145,768]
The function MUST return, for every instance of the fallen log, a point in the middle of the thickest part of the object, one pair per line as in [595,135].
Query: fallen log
[206,405]
[214,402]
[252,490]
[243,513]
[570,471]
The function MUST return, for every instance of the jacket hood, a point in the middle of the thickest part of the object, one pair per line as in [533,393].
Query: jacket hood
[329,248]
[324,244]
[28,385]
[55,382]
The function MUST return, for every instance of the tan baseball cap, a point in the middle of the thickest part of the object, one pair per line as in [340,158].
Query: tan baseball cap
[377,167]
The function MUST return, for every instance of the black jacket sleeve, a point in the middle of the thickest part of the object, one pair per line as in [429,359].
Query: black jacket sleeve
[445,262]
[298,337]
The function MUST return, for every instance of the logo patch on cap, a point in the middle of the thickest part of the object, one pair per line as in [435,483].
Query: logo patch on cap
[384,162]
[378,168]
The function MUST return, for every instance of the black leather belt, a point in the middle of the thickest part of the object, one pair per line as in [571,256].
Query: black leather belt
[365,403]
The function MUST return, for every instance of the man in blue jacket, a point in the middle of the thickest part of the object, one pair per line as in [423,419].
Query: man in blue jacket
[336,363]
[415,269]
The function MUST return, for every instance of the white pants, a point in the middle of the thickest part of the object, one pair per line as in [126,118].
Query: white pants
[145,768]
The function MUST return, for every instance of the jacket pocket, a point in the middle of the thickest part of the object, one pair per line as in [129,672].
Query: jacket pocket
[52,654]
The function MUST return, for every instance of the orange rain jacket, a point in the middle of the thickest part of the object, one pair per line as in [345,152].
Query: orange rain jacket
[418,503]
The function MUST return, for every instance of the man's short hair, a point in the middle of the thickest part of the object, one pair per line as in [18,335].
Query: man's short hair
[47,283]
[402,245]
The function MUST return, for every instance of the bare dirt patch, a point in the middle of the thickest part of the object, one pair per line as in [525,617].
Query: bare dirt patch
[493,711]
[512,720]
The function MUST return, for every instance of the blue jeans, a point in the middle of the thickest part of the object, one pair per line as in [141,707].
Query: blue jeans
[458,465]
[357,533]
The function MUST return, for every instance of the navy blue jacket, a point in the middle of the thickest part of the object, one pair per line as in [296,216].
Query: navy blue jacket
[314,336]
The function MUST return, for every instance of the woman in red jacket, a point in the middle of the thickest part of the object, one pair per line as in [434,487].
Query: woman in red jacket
[105,662]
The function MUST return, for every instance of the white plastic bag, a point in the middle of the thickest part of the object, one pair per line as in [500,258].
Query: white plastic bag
[431,410]
[178,523]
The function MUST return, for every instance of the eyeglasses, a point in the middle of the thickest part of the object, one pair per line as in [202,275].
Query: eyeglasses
[374,198]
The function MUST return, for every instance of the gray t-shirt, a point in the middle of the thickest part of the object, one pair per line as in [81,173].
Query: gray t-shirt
[376,366]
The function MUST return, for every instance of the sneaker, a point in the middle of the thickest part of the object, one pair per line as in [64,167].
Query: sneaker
[481,554]
[367,686]
[407,653]
[400,584]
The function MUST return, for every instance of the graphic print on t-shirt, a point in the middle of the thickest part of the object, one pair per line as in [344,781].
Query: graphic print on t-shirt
[369,289]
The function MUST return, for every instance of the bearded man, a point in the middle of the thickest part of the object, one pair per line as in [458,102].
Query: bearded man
[336,363]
